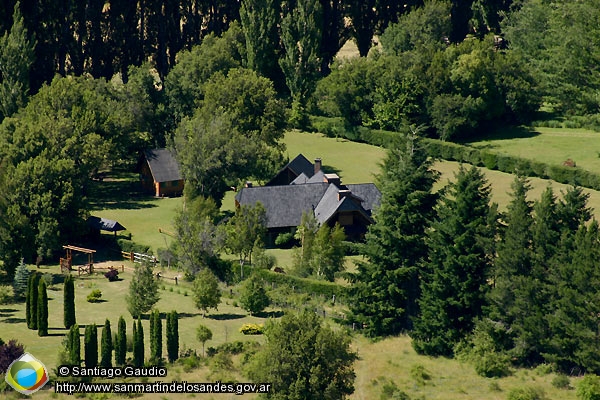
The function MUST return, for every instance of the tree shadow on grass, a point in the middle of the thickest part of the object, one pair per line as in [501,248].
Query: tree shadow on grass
[225,317]
[187,315]
[117,194]
[505,133]
[14,320]
[269,314]
[8,310]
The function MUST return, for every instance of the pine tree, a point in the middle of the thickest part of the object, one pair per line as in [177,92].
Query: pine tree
[573,314]
[385,289]
[16,59]
[138,345]
[74,345]
[515,300]
[143,291]
[42,309]
[155,337]
[69,301]
[21,281]
[454,283]
[90,346]
[32,301]
[121,342]
[172,336]
[106,346]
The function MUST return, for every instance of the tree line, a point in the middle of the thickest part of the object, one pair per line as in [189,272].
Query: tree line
[462,278]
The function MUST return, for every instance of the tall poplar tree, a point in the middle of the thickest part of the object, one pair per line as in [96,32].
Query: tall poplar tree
[42,309]
[32,301]
[74,345]
[138,344]
[16,59]
[301,30]
[454,282]
[69,301]
[155,337]
[386,287]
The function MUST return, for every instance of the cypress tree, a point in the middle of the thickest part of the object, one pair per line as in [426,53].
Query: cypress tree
[74,345]
[121,342]
[156,337]
[385,289]
[42,309]
[107,346]
[173,336]
[454,283]
[69,301]
[32,301]
[91,346]
[138,345]
[28,301]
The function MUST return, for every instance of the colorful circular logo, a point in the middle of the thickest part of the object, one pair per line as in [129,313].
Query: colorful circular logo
[26,374]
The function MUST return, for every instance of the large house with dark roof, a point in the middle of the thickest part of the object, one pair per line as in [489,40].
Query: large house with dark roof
[159,173]
[302,186]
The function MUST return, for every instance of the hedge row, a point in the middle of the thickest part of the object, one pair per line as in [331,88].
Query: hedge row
[305,285]
[461,153]
[131,246]
[512,164]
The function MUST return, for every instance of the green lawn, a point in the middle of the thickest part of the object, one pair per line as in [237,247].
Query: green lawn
[550,145]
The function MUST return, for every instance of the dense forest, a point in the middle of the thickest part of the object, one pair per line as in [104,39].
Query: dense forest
[85,86]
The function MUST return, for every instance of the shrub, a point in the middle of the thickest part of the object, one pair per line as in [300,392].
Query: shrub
[526,393]
[252,329]
[589,388]
[420,374]
[94,296]
[112,274]
[561,381]
[6,294]
[9,352]
[285,240]
[544,369]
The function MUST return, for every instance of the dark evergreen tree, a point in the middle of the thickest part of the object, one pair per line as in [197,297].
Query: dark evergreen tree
[455,279]
[69,301]
[74,345]
[253,296]
[42,309]
[21,281]
[121,342]
[32,301]
[156,335]
[386,288]
[138,345]
[106,346]
[573,316]
[90,346]
[172,336]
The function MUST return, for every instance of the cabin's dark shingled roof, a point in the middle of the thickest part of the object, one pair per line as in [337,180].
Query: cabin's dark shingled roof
[163,165]
[104,224]
[368,193]
[299,165]
[284,205]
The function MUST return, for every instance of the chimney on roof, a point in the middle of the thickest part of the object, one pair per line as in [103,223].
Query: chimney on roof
[248,184]
[343,193]
[317,165]
[332,178]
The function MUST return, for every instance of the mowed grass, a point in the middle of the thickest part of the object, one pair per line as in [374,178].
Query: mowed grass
[549,145]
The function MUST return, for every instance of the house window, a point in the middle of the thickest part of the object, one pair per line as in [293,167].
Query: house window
[163,185]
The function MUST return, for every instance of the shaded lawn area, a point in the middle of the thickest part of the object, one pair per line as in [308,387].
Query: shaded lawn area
[549,145]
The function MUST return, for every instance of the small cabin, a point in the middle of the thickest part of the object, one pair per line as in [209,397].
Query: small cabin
[159,173]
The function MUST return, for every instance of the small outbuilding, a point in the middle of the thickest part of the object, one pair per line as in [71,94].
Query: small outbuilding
[103,224]
[159,173]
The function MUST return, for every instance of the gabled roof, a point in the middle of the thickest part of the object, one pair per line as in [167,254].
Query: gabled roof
[331,204]
[300,180]
[163,166]
[284,205]
[298,166]
[368,193]
[104,224]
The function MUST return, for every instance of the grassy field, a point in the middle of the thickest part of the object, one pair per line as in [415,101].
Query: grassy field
[550,145]
[381,364]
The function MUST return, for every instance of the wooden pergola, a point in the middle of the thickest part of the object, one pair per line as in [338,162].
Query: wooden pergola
[66,263]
